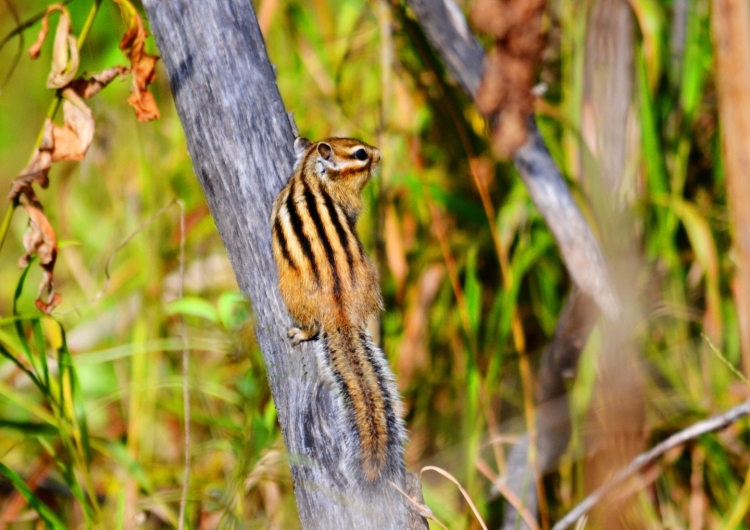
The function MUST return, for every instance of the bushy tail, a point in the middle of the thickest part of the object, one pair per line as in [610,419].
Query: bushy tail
[363,379]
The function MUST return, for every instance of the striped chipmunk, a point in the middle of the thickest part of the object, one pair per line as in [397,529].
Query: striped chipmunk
[331,288]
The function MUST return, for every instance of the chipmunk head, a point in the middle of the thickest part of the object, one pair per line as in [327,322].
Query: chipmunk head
[338,162]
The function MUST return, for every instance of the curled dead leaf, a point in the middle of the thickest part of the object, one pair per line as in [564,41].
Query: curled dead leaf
[36,48]
[73,139]
[37,168]
[142,65]
[88,87]
[40,240]
[142,100]
[64,51]
[69,142]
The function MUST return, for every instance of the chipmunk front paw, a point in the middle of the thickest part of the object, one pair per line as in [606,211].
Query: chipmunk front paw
[299,335]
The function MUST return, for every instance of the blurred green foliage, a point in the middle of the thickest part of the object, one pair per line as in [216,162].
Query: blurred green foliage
[90,399]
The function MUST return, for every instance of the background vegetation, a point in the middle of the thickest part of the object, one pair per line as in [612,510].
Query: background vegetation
[96,435]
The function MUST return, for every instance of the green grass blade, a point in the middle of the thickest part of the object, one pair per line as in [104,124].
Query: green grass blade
[12,358]
[656,172]
[28,428]
[41,350]
[22,400]
[49,518]
[77,395]
[19,323]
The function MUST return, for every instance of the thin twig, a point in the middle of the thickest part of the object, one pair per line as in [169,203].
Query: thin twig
[17,56]
[508,493]
[124,242]
[423,510]
[185,367]
[465,494]
[99,294]
[726,361]
[713,424]
[22,26]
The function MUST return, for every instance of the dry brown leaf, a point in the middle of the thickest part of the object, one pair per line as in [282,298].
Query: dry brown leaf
[69,142]
[36,48]
[88,87]
[64,51]
[37,169]
[40,239]
[504,95]
[142,65]
[64,55]
[73,139]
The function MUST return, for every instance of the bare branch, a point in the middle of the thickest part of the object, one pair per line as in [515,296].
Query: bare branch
[446,29]
[716,423]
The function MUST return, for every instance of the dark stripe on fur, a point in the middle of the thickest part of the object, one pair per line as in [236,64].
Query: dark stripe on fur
[351,222]
[296,220]
[336,374]
[312,208]
[278,235]
[388,397]
[375,453]
[343,237]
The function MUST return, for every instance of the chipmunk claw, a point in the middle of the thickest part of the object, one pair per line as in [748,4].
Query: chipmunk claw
[296,335]
[301,335]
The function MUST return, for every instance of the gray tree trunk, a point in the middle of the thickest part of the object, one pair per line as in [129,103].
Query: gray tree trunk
[240,141]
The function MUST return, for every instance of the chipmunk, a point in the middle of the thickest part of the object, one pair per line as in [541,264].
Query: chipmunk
[331,288]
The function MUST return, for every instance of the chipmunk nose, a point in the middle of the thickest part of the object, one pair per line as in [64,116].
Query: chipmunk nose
[375,155]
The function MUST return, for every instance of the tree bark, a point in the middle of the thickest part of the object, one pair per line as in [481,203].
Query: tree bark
[240,140]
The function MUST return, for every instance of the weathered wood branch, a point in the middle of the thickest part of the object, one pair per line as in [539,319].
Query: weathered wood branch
[240,141]
[713,424]
[448,32]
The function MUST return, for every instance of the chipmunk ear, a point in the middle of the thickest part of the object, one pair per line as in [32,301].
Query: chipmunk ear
[300,147]
[325,160]
[325,151]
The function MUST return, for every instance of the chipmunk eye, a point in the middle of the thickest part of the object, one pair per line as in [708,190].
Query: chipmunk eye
[360,154]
